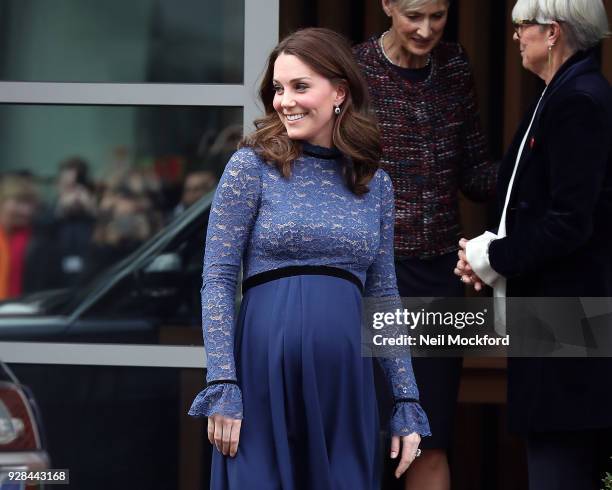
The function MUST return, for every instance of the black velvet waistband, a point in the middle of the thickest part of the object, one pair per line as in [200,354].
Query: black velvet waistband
[300,270]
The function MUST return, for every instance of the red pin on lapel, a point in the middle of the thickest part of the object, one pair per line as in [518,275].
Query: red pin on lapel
[531,143]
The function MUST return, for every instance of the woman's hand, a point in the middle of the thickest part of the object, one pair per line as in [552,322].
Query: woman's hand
[464,270]
[410,444]
[224,433]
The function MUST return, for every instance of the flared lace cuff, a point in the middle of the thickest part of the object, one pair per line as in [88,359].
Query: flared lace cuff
[409,417]
[223,398]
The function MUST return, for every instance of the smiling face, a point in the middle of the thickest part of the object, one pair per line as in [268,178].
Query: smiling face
[305,100]
[419,29]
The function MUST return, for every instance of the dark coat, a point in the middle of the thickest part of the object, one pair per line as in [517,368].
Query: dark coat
[559,240]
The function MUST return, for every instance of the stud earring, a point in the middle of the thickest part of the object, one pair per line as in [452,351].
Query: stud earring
[337,110]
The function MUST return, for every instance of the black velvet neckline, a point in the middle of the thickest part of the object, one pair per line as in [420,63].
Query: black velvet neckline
[320,151]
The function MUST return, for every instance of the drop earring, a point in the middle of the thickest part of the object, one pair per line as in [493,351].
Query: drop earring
[337,110]
[550,47]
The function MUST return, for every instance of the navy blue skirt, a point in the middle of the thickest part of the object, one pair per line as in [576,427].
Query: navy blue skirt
[310,412]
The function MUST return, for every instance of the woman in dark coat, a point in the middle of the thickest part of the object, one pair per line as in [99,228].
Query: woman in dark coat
[555,237]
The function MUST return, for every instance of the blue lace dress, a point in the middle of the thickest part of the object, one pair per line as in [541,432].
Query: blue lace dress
[290,364]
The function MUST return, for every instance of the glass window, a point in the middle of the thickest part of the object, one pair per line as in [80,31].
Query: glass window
[103,212]
[163,139]
[162,41]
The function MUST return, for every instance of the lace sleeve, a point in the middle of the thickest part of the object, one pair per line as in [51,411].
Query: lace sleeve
[232,216]
[380,278]
[408,416]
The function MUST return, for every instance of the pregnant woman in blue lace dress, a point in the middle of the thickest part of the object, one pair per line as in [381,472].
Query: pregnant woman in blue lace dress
[305,209]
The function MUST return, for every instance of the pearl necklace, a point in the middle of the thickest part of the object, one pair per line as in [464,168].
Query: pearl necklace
[382,48]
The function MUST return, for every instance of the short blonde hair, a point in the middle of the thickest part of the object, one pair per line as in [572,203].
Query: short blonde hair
[584,21]
[414,4]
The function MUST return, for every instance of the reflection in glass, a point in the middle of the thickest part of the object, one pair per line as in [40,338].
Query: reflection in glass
[163,41]
[107,207]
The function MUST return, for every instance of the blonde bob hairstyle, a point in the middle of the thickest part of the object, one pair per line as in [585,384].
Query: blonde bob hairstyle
[584,22]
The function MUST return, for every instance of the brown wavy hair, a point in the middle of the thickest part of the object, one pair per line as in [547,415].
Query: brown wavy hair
[355,132]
